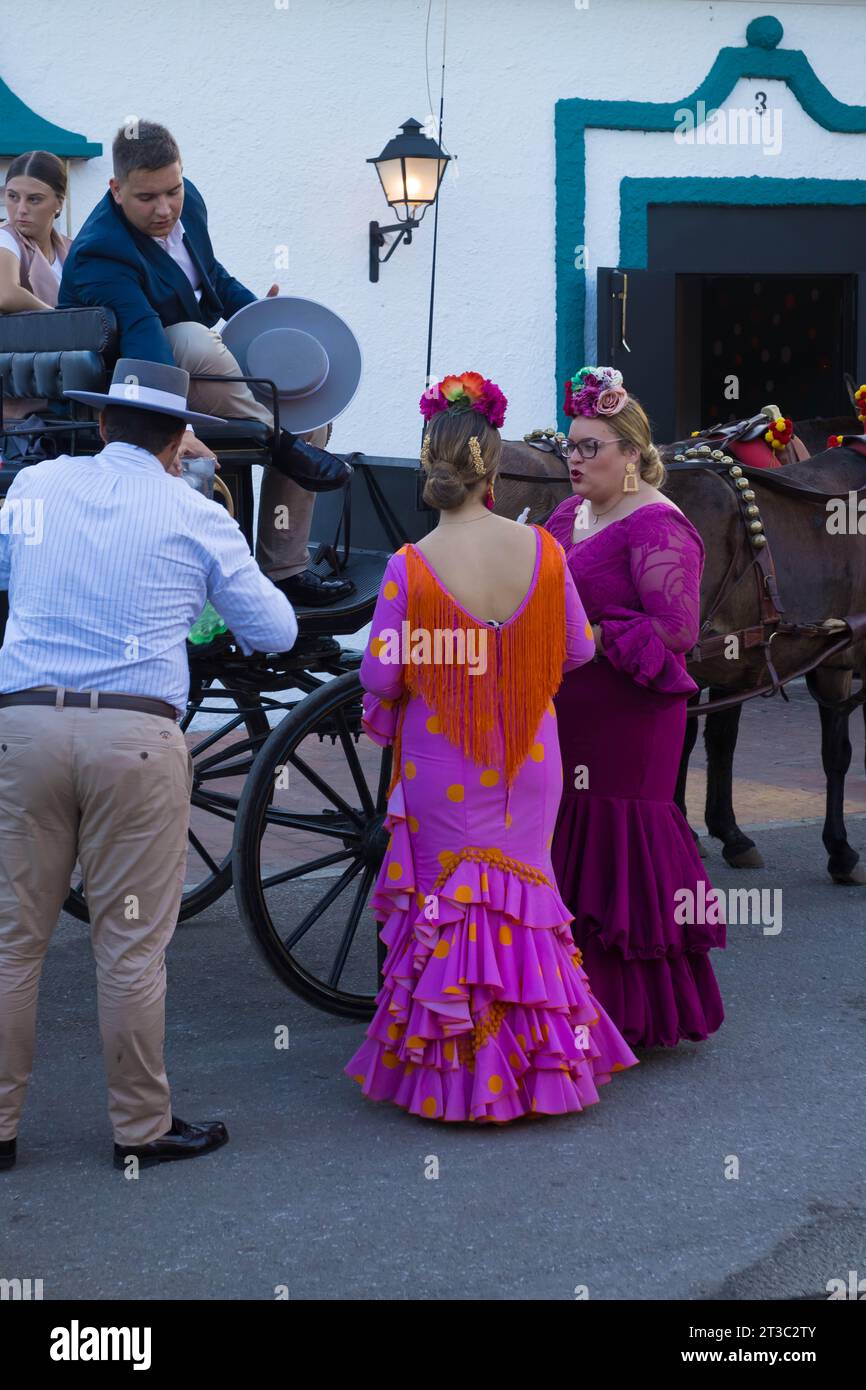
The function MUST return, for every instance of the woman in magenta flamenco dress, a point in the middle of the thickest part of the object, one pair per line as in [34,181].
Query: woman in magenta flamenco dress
[485,1012]
[622,850]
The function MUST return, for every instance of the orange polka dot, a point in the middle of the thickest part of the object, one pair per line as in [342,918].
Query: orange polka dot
[416,1041]
[485,883]
[508,819]
[448,1052]
[617,1066]
[360,1079]
[536,752]
[420,899]
[390,1060]
[549,841]
[452,989]
[495,1084]
[428,1107]
[587,631]
[442,949]
[545,1031]
[395,871]
[505,935]
[409,770]
[455,792]
[394,1031]
[521,1038]
[490,777]
[387,704]
[513,1059]
[376,645]
[433,726]
[473,931]
[444,857]
[463,893]
[390,590]
[409,1068]
[412,822]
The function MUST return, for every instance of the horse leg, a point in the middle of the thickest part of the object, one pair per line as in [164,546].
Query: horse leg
[834,684]
[689,740]
[720,739]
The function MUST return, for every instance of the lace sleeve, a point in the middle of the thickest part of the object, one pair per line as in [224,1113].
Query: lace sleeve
[666,560]
[579,641]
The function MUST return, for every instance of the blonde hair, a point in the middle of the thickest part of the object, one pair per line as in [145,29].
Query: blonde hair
[633,427]
[447,460]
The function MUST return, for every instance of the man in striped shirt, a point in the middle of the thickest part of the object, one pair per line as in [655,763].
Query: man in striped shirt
[109,561]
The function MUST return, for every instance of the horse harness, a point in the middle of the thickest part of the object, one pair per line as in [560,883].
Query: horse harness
[762,567]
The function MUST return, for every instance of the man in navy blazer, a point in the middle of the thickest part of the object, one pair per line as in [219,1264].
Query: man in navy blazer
[160,277]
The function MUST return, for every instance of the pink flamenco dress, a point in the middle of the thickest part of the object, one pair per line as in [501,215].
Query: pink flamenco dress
[622,851]
[485,1012]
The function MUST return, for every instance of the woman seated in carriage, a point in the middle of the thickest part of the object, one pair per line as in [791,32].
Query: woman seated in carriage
[32,251]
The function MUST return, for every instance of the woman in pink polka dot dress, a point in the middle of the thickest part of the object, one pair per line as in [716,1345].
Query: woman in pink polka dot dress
[485,1012]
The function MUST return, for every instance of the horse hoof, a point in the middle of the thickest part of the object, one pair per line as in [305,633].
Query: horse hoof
[855,878]
[745,859]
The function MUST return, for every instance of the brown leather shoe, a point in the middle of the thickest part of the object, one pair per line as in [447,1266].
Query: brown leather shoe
[182,1141]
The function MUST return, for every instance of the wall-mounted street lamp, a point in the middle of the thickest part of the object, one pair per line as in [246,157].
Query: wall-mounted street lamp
[410,169]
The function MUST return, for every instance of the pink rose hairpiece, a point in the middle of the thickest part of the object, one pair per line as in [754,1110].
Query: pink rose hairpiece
[470,391]
[595,391]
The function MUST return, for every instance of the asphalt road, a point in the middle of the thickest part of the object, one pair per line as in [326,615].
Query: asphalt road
[326,1194]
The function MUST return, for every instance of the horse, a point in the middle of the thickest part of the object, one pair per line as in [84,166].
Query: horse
[819,594]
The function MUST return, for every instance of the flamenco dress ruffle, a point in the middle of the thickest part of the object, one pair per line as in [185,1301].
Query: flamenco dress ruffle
[485,1012]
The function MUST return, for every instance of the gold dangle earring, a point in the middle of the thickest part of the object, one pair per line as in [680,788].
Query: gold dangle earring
[629,482]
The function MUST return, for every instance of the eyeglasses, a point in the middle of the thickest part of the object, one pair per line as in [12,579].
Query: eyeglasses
[588,448]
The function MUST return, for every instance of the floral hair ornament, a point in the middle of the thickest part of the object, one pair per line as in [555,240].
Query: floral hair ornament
[595,391]
[470,391]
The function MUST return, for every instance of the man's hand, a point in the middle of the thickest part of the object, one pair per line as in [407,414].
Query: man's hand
[275,289]
[189,447]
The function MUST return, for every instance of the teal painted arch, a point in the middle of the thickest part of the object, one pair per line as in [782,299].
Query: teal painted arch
[22,129]
[761,58]
[636,196]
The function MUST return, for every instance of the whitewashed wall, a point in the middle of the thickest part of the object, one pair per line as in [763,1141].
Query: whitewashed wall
[277,108]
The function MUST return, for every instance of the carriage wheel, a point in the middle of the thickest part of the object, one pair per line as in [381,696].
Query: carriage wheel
[224,732]
[312,816]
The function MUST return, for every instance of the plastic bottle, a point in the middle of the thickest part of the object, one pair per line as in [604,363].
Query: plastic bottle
[206,627]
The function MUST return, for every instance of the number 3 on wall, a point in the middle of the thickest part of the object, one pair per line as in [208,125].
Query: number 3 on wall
[761,100]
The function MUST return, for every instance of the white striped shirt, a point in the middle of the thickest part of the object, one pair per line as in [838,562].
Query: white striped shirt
[108,561]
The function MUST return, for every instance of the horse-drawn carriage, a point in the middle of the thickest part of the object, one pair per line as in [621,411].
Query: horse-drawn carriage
[286,786]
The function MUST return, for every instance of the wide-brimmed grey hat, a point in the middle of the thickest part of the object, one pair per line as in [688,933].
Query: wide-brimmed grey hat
[309,353]
[150,386]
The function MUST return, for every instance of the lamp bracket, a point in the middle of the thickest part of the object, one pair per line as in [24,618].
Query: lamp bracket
[377,240]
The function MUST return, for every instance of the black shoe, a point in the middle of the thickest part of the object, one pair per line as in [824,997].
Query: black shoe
[8,1153]
[182,1141]
[310,590]
[313,469]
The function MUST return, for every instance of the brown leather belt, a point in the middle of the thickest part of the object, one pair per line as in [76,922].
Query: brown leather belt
[82,699]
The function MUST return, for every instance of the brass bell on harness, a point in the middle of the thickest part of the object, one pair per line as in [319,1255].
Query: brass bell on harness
[692,454]
[704,449]
[758,540]
[742,483]
[752,510]
[717,454]
[736,471]
[749,495]
[679,458]
[756,526]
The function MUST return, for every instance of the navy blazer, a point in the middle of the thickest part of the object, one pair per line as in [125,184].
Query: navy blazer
[111,263]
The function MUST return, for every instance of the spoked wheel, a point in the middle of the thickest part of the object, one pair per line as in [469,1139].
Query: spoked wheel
[309,841]
[224,731]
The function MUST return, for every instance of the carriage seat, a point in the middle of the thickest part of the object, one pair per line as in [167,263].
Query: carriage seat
[45,352]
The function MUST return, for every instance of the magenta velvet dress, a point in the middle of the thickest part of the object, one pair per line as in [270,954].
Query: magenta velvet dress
[621,848]
[485,1012]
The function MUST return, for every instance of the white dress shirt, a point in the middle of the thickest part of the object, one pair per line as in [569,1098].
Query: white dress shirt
[108,561]
[173,244]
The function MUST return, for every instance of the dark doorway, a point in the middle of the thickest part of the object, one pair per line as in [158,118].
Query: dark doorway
[787,339]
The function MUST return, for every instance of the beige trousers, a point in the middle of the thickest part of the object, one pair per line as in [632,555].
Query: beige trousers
[281,549]
[112,788]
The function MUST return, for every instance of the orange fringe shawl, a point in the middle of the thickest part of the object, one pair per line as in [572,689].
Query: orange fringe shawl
[504,705]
